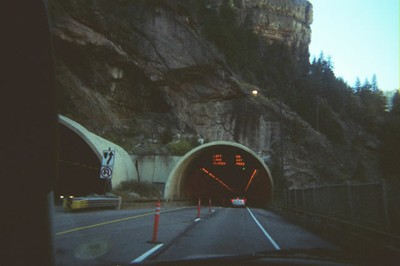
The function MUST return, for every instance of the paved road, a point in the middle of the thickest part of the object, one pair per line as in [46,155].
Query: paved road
[233,231]
[114,236]
[120,236]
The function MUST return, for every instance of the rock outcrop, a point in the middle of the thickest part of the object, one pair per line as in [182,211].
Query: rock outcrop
[283,21]
[141,74]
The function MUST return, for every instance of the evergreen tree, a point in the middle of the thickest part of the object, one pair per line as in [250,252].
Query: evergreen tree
[396,103]
[357,85]
[366,86]
[391,141]
[374,83]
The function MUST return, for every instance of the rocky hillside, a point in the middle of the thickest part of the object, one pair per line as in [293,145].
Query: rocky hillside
[144,74]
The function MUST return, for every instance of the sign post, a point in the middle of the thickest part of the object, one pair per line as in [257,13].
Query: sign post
[107,164]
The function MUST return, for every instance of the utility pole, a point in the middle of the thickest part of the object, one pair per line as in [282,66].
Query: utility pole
[281,135]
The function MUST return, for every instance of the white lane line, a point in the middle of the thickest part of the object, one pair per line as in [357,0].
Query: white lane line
[146,254]
[276,246]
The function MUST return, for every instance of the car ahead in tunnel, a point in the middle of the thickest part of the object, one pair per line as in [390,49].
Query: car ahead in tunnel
[238,202]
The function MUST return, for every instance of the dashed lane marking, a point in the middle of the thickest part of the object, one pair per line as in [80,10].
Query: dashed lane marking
[147,254]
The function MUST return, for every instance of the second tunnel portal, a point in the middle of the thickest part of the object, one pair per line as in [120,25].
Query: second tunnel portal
[220,170]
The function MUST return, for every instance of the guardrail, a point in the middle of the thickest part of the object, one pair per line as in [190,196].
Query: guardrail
[385,239]
[373,205]
[364,215]
[78,203]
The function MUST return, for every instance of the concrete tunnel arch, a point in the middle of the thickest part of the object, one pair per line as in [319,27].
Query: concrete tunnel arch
[176,186]
[80,155]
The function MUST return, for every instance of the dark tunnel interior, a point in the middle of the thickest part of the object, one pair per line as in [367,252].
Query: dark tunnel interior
[78,167]
[221,172]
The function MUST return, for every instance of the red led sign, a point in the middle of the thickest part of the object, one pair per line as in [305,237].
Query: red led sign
[217,160]
[239,160]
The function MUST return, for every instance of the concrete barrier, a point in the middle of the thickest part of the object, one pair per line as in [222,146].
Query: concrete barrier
[78,203]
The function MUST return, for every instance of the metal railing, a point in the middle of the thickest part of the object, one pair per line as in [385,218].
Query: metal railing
[371,205]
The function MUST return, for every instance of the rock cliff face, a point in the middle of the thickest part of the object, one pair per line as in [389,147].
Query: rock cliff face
[284,21]
[141,73]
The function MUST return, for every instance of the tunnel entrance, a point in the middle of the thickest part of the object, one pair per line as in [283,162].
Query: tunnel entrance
[78,165]
[221,170]
[80,155]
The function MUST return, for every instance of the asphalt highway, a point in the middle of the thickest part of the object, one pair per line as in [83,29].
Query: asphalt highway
[112,237]
[233,231]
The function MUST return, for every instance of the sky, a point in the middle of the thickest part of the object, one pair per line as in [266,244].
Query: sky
[361,37]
